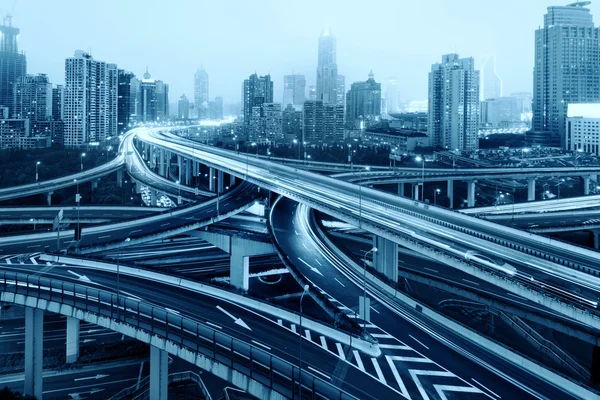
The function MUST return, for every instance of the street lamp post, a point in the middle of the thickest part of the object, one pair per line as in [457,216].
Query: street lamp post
[306,287]
[512,217]
[558,188]
[435,193]
[422,160]
[37,164]
[373,250]
[33,220]
[178,192]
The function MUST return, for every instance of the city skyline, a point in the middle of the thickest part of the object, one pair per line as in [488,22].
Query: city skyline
[233,57]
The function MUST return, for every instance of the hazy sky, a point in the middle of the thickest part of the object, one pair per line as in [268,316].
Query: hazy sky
[234,38]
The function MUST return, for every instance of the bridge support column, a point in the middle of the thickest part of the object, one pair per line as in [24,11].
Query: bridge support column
[471,193]
[450,191]
[34,342]
[94,184]
[72,339]
[162,162]
[49,198]
[180,169]
[196,168]
[153,197]
[586,185]
[401,189]
[531,189]
[596,234]
[415,189]
[188,172]
[159,374]
[120,177]
[231,180]
[385,259]
[211,179]
[220,182]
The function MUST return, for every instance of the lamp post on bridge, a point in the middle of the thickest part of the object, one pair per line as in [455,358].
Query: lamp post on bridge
[306,287]
[364,299]
[37,164]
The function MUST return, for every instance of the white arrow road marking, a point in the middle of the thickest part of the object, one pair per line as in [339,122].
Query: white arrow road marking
[237,320]
[313,269]
[80,277]
[99,376]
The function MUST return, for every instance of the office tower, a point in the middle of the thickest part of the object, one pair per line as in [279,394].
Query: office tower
[183,107]
[13,63]
[90,89]
[216,109]
[392,95]
[126,100]
[491,84]
[327,76]
[524,99]
[256,91]
[501,112]
[583,127]
[58,94]
[273,123]
[454,103]
[33,98]
[341,90]
[312,93]
[152,99]
[566,70]
[291,124]
[333,124]
[294,90]
[112,102]
[363,104]
[201,93]
[313,121]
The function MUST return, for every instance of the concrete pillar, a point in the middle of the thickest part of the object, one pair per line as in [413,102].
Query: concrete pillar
[450,191]
[153,197]
[471,193]
[211,179]
[220,182]
[94,184]
[586,185]
[239,267]
[231,180]
[120,177]
[49,198]
[138,188]
[385,259]
[159,374]
[415,189]
[180,169]
[596,239]
[72,339]
[196,168]
[188,172]
[34,342]
[162,162]
[531,189]
[401,189]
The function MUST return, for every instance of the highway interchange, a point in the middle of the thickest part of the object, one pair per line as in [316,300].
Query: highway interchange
[420,358]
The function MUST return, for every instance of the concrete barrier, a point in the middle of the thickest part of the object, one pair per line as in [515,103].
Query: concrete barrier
[368,348]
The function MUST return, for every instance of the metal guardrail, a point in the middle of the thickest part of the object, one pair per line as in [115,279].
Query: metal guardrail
[273,372]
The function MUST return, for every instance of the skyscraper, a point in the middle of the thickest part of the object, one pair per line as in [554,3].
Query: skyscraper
[312,93]
[58,98]
[491,83]
[126,100]
[327,74]
[33,98]
[454,103]
[183,107]
[566,70]
[294,90]
[111,81]
[152,99]
[340,90]
[13,63]
[216,109]
[273,123]
[90,90]
[291,123]
[201,93]
[363,103]
[392,95]
[256,91]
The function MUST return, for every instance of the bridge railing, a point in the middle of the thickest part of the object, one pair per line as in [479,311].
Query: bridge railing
[273,372]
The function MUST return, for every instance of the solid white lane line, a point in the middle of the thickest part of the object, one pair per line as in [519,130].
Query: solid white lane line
[336,279]
[432,270]
[378,370]
[359,362]
[304,246]
[372,308]
[318,262]
[473,379]
[413,338]
[213,325]
[103,237]
[260,344]
[319,372]
[471,282]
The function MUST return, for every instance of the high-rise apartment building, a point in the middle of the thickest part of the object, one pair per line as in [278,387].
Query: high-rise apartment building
[454,103]
[126,100]
[152,103]
[183,107]
[13,63]
[58,98]
[322,122]
[33,98]
[90,95]
[491,83]
[291,124]
[294,90]
[341,90]
[363,104]
[327,74]
[392,95]
[333,125]
[273,122]
[215,109]
[566,70]
[201,93]
[583,128]
[257,90]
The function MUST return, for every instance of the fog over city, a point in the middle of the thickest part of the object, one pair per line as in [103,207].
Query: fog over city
[235,38]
